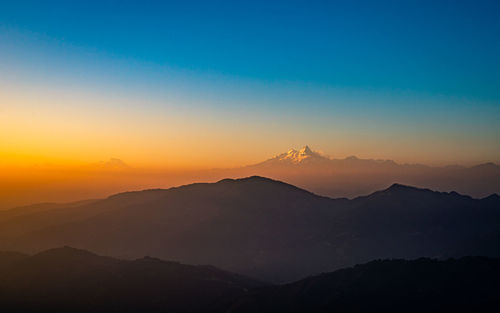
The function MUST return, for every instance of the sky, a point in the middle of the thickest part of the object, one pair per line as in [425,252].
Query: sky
[203,84]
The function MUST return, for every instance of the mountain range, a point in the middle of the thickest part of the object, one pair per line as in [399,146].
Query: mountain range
[263,228]
[305,168]
[352,176]
[72,280]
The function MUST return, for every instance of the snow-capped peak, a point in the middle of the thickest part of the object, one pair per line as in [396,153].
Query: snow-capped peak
[295,156]
[305,150]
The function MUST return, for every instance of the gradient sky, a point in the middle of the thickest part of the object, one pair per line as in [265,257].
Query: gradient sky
[228,83]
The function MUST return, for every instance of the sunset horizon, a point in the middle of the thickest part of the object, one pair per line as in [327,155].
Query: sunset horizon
[250,156]
[68,182]
[72,94]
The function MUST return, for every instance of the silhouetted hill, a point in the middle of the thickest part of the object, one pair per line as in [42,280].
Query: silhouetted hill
[9,257]
[72,280]
[470,284]
[265,228]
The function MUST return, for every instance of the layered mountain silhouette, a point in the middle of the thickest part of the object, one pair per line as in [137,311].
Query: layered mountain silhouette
[470,284]
[72,280]
[263,228]
[305,168]
[351,177]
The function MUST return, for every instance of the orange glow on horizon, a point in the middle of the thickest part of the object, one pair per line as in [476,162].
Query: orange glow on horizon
[53,142]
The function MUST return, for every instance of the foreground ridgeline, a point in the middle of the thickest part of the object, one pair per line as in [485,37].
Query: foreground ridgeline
[72,280]
[263,228]
[469,284]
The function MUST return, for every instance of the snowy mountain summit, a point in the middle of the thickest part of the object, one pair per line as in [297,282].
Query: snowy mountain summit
[298,156]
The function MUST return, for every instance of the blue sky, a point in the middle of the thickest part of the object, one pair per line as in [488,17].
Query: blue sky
[448,47]
[423,69]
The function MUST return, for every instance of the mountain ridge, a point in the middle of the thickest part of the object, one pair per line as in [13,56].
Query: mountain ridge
[351,177]
[67,279]
[75,280]
[265,228]
[468,284]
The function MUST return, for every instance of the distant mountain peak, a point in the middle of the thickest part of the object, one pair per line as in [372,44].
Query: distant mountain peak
[298,156]
[114,164]
[305,150]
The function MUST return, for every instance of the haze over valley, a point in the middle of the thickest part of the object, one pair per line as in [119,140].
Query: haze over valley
[263,228]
